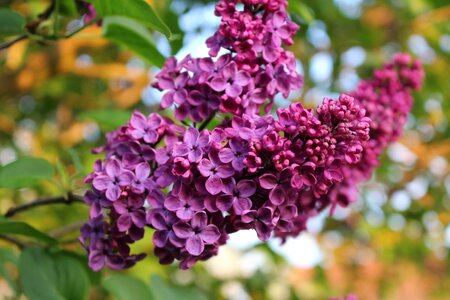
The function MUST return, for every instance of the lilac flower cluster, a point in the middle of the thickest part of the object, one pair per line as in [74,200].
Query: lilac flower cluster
[253,69]
[245,174]
[194,186]
[387,99]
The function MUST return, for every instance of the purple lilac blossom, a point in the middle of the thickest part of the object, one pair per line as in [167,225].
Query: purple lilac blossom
[194,186]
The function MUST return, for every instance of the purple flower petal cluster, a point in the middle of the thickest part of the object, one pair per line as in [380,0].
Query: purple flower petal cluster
[199,186]
[253,70]
[194,186]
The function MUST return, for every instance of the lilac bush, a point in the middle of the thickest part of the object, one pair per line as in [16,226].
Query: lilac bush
[195,186]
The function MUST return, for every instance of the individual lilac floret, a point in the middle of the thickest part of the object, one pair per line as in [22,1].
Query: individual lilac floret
[197,233]
[237,196]
[145,128]
[96,200]
[193,146]
[214,170]
[114,179]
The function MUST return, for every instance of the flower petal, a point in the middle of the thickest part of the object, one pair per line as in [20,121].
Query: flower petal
[158,221]
[277,195]
[268,181]
[113,193]
[113,168]
[224,202]
[226,155]
[246,188]
[124,222]
[138,120]
[102,182]
[199,220]
[233,90]
[241,204]
[160,238]
[210,234]
[218,84]
[182,230]
[142,171]
[213,185]
[195,245]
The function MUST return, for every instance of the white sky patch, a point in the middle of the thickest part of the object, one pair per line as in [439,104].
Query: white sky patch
[400,153]
[243,239]
[396,222]
[400,200]
[321,67]
[418,187]
[354,57]
[447,236]
[302,251]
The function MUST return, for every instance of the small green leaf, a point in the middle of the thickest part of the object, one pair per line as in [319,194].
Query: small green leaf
[302,10]
[11,23]
[124,287]
[176,42]
[24,172]
[77,162]
[54,276]
[107,118]
[21,228]
[134,36]
[62,172]
[68,8]
[137,10]
[6,256]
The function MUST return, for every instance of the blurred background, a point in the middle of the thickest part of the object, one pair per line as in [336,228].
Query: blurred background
[58,99]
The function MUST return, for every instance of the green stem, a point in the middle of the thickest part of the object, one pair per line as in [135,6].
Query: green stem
[55,18]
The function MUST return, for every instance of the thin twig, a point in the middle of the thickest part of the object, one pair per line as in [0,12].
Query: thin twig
[14,241]
[69,199]
[13,41]
[31,26]
[207,121]
[67,229]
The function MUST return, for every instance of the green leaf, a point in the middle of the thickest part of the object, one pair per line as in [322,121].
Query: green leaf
[302,10]
[6,256]
[176,42]
[137,10]
[52,276]
[68,8]
[134,36]
[107,118]
[162,291]
[95,278]
[24,172]
[11,23]
[124,287]
[21,228]
[62,172]
[77,162]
